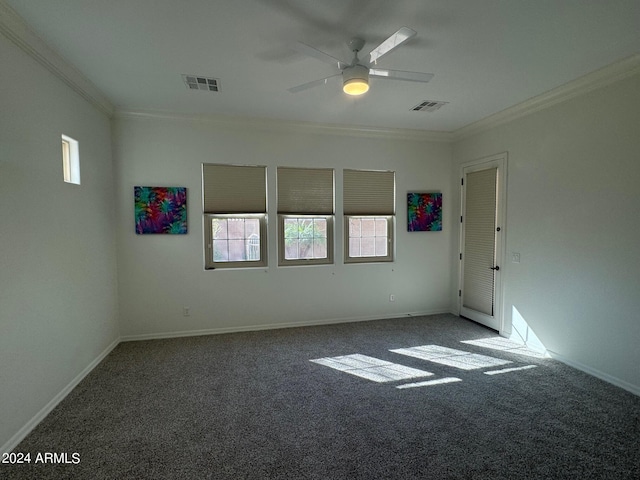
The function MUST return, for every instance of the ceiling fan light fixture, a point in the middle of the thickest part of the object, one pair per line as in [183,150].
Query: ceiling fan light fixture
[355,87]
[355,80]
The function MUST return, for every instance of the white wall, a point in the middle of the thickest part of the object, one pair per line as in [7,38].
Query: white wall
[160,274]
[573,214]
[58,296]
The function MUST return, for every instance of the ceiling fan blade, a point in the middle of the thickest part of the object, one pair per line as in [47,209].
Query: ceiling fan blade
[400,75]
[315,53]
[315,83]
[394,41]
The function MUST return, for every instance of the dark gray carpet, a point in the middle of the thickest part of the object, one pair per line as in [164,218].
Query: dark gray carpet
[252,406]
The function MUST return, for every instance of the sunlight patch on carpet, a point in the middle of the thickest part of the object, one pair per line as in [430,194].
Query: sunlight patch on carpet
[429,383]
[451,357]
[507,370]
[371,368]
[505,345]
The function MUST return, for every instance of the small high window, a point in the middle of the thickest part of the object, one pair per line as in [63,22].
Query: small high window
[70,160]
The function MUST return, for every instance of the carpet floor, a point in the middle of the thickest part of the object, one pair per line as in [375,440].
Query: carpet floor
[434,397]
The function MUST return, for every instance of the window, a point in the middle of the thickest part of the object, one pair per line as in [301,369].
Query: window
[369,213]
[305,240]
[305,216]
[235,239]
[70,160]
[369,236]
[235,220]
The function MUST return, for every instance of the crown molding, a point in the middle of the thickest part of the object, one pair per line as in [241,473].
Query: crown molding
[597,79]
[273,125]
[19,32]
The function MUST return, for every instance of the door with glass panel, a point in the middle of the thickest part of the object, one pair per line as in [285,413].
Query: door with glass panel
[482,233]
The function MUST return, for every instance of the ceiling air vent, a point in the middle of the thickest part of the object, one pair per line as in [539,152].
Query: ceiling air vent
[428,106]
[196,82]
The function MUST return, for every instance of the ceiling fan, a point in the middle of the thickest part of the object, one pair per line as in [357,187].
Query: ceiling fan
[356,75]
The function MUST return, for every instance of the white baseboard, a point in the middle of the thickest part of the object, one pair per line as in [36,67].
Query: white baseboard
[272,326]
[635,389]
[31,424]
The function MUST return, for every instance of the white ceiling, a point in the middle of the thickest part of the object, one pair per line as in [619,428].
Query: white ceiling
[487,55]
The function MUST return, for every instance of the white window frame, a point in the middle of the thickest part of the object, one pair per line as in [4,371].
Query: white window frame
[211,264]
[70,160]
[369,194]
[305,193]
[225,192]
[389,257]
[282,261]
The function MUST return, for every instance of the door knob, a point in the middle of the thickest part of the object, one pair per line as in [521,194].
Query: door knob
[495,268]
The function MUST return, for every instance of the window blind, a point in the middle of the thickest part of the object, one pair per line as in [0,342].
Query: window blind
[368,192]
[234,189]
[305,190]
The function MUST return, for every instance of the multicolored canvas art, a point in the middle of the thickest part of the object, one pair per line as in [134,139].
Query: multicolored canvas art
[424,212]
[161,210]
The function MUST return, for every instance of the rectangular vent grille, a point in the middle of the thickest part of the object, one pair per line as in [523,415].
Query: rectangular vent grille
[428,106]
[196,82]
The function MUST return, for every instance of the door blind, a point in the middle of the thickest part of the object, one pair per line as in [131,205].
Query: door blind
[479,240]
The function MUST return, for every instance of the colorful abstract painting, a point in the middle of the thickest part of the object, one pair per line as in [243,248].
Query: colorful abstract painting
[424,212]
[161,210]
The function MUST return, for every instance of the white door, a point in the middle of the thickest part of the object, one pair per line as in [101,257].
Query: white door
[482,234]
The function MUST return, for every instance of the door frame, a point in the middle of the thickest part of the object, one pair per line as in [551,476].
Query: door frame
[500,161]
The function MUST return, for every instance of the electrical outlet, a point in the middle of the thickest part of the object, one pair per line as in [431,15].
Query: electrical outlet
[392,298]
[186,311]
[515,257]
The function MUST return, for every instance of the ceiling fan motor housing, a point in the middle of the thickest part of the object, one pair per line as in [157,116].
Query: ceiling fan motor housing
[355,79]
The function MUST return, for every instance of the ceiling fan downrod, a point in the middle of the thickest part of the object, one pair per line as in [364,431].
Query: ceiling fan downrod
[355,77]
